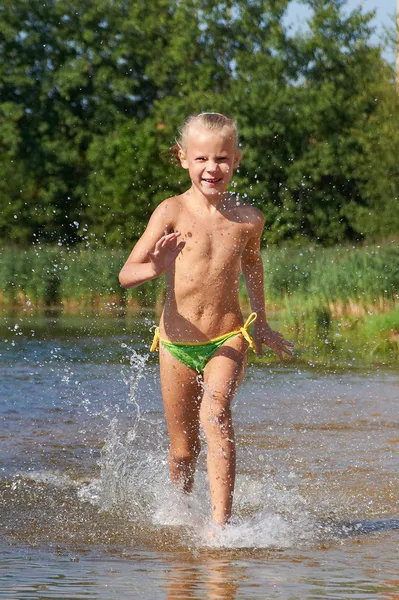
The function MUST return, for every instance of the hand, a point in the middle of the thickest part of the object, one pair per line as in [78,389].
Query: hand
[274,339]
[165,252]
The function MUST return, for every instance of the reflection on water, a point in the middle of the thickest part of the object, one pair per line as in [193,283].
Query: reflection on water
[87,510]
[216,579]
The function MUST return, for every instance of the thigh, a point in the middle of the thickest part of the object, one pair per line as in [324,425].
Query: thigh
[182,391]
[224,371]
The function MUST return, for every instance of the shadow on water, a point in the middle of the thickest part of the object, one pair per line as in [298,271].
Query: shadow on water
[360,527]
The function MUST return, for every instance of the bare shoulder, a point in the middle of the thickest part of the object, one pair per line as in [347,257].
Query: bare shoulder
[248,214]
[165,214]
[162,221]
[252,215]
[167,209]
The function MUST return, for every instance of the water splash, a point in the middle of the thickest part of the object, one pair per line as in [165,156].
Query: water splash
[134,484]
[52,478]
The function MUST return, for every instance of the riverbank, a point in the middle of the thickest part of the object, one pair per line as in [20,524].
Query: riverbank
[335,302]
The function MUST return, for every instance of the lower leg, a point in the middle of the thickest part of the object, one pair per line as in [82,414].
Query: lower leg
[181,393]
[222,376]
[221,462]
[182,465]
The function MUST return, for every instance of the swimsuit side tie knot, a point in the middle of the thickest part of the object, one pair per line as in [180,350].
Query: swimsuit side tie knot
[244,330]
[155,341]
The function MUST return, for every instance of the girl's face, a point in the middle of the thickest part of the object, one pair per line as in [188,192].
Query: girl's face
[210,157]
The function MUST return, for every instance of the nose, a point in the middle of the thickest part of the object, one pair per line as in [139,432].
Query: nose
[212,166]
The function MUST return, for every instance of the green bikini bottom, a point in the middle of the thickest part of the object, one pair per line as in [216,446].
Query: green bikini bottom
[196,354]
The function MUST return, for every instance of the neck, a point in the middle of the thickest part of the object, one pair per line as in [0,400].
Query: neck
[214,201]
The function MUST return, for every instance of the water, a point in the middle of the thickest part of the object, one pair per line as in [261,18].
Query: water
[87,510]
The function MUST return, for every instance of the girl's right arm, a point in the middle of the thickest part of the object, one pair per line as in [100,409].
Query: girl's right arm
[155,251]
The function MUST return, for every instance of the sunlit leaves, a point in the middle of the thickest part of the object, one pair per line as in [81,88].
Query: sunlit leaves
[92,94]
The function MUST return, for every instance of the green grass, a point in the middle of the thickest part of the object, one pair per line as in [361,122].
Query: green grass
[344,274]
[305,279]
[72,279]
[340,300]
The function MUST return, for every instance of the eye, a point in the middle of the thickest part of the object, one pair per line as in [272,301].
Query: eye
[200,158]
[222,158]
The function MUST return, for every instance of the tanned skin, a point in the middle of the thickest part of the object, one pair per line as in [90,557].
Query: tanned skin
[202,240]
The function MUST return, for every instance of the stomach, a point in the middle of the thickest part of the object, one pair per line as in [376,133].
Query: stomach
[201,308]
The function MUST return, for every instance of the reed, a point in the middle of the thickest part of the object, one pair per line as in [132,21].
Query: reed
[340,281]
[70,279]
[337,303]
[341,277]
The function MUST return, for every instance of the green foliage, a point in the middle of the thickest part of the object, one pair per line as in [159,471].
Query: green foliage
[338,303]
[30,275]
[308,277]
[70,278]
[322,275]
[91,95]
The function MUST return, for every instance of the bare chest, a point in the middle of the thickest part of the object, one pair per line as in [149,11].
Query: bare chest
[210,240]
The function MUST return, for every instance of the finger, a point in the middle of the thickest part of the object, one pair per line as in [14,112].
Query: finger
[159,243]
[259,347]
[164,239]
[287,349]
[285,342]
[179,248]
[172,236]
[168,237]
[278,347]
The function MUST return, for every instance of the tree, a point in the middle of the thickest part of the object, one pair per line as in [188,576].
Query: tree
[72,73]
[308,124]
[91,96]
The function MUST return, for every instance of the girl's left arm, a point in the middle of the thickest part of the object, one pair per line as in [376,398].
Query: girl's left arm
[252,269]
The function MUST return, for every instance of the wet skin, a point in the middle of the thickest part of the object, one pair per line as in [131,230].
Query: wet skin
[202,240]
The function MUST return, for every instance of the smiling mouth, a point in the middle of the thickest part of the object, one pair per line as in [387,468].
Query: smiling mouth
[212,180]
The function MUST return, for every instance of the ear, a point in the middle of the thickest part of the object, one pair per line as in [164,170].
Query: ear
[182,158]
[237,158]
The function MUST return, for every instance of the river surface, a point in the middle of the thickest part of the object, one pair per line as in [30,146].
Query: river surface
[87,510]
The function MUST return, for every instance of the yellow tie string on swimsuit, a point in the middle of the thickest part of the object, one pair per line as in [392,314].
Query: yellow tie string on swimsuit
[155,341]
[243,330]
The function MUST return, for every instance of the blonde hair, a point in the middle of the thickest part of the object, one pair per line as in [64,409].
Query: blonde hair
[208,120]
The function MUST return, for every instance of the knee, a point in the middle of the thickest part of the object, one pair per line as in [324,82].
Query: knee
[184,454]
[215,415]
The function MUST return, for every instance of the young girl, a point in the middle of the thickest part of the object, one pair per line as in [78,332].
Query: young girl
[202,240]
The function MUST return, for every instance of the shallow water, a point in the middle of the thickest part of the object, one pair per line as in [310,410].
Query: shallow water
[87,510]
